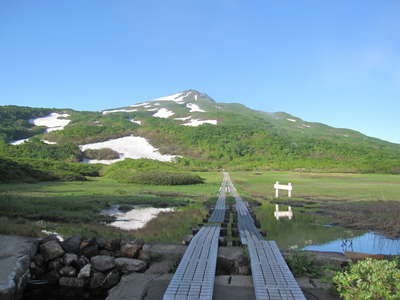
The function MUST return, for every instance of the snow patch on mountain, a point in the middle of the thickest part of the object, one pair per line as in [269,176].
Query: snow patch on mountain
[175,98]
[136,121]
[163,113]
[195,122]
[292,120]
[118,110]
[18,142]
[194,107]
[48,142]
[134,147]
[183,119]
[53,121]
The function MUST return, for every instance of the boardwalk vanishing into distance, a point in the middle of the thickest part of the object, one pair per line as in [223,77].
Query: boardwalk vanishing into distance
[195,275]
[272,278]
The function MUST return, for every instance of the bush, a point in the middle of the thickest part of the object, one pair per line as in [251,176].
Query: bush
[165,178]
[100,154]
[369,279]
[301,264]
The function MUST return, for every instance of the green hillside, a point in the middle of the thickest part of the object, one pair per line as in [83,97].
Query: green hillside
[242,138]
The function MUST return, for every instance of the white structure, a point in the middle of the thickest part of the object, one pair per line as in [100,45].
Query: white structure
[278,187]
[279,214]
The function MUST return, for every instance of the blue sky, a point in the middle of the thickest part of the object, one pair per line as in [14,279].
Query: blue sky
[336,62]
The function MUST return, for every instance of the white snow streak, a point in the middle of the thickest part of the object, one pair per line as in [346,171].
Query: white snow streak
[128,147]
[194,107]
[196,123]
[183,119]
[52,121]
[18,142]
[136,121]
[48,142]
[163,113]
[292,120]
[118,110]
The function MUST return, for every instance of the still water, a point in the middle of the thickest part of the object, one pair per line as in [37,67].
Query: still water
[309,232]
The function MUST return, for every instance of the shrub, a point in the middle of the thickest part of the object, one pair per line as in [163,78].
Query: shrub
[301,264]
[104,153]
[165,178]
[369,279]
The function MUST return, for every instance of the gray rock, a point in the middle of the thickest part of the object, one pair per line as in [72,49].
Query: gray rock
[144,253]
[102,263]
[38,259]
[82,261]
[130,265]
[187,239]
[162,267]
[106,252]
[68,271]
[71,282]
[132,287]
[102,243]
[111,279]
[131,249]
[56,264]
[90,250]
[97,280]
[70,259]
[15,255]
[72,244]
[51,250]
[52,277]
[159,252]
[324,258]
[85,271]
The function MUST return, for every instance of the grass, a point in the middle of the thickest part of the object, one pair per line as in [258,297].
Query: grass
[351,200]
[73,207]
[329,186]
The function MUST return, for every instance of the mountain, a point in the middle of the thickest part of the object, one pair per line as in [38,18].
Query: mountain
[195,131]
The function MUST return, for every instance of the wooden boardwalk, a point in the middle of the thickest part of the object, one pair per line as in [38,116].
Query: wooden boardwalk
[195,276]
[272,278]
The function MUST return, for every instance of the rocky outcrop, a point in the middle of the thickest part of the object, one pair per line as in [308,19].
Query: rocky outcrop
[15,257]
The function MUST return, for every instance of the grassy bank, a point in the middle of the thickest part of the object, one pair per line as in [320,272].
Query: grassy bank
[73,207]
[359,201]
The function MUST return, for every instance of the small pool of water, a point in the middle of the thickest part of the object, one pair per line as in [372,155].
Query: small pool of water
[370,243]
[135,218]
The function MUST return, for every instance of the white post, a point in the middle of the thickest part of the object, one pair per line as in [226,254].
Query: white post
[290,190]
[290,215]
[277,190]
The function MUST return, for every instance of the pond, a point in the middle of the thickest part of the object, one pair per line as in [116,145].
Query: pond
[370,243]
[135,218]
[310,232]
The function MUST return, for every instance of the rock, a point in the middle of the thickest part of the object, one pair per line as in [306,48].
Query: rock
[70,259]
[82,261]
[102,243]
[97,280]
[187,239]
[15,257]
[162,267]
[133,287]
[131,249]
[56,264]
[52,277]
[71,282]
[130,265]
[85,272]
[37,270]
[72,244]
[231,261]
[68,271]
[144,254]
[111,279]
[102,263]
[38,259]
[106,252]
[51,237]
[51,250]
[158,252]
[90,250]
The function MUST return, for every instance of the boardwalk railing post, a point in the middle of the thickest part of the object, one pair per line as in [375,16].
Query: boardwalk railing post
[277,189]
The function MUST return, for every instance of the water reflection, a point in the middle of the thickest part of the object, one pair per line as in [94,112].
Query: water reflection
[369,242]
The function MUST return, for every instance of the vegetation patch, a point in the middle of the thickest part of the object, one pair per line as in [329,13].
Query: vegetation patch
[369,279]
[165,178]
[101,154]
